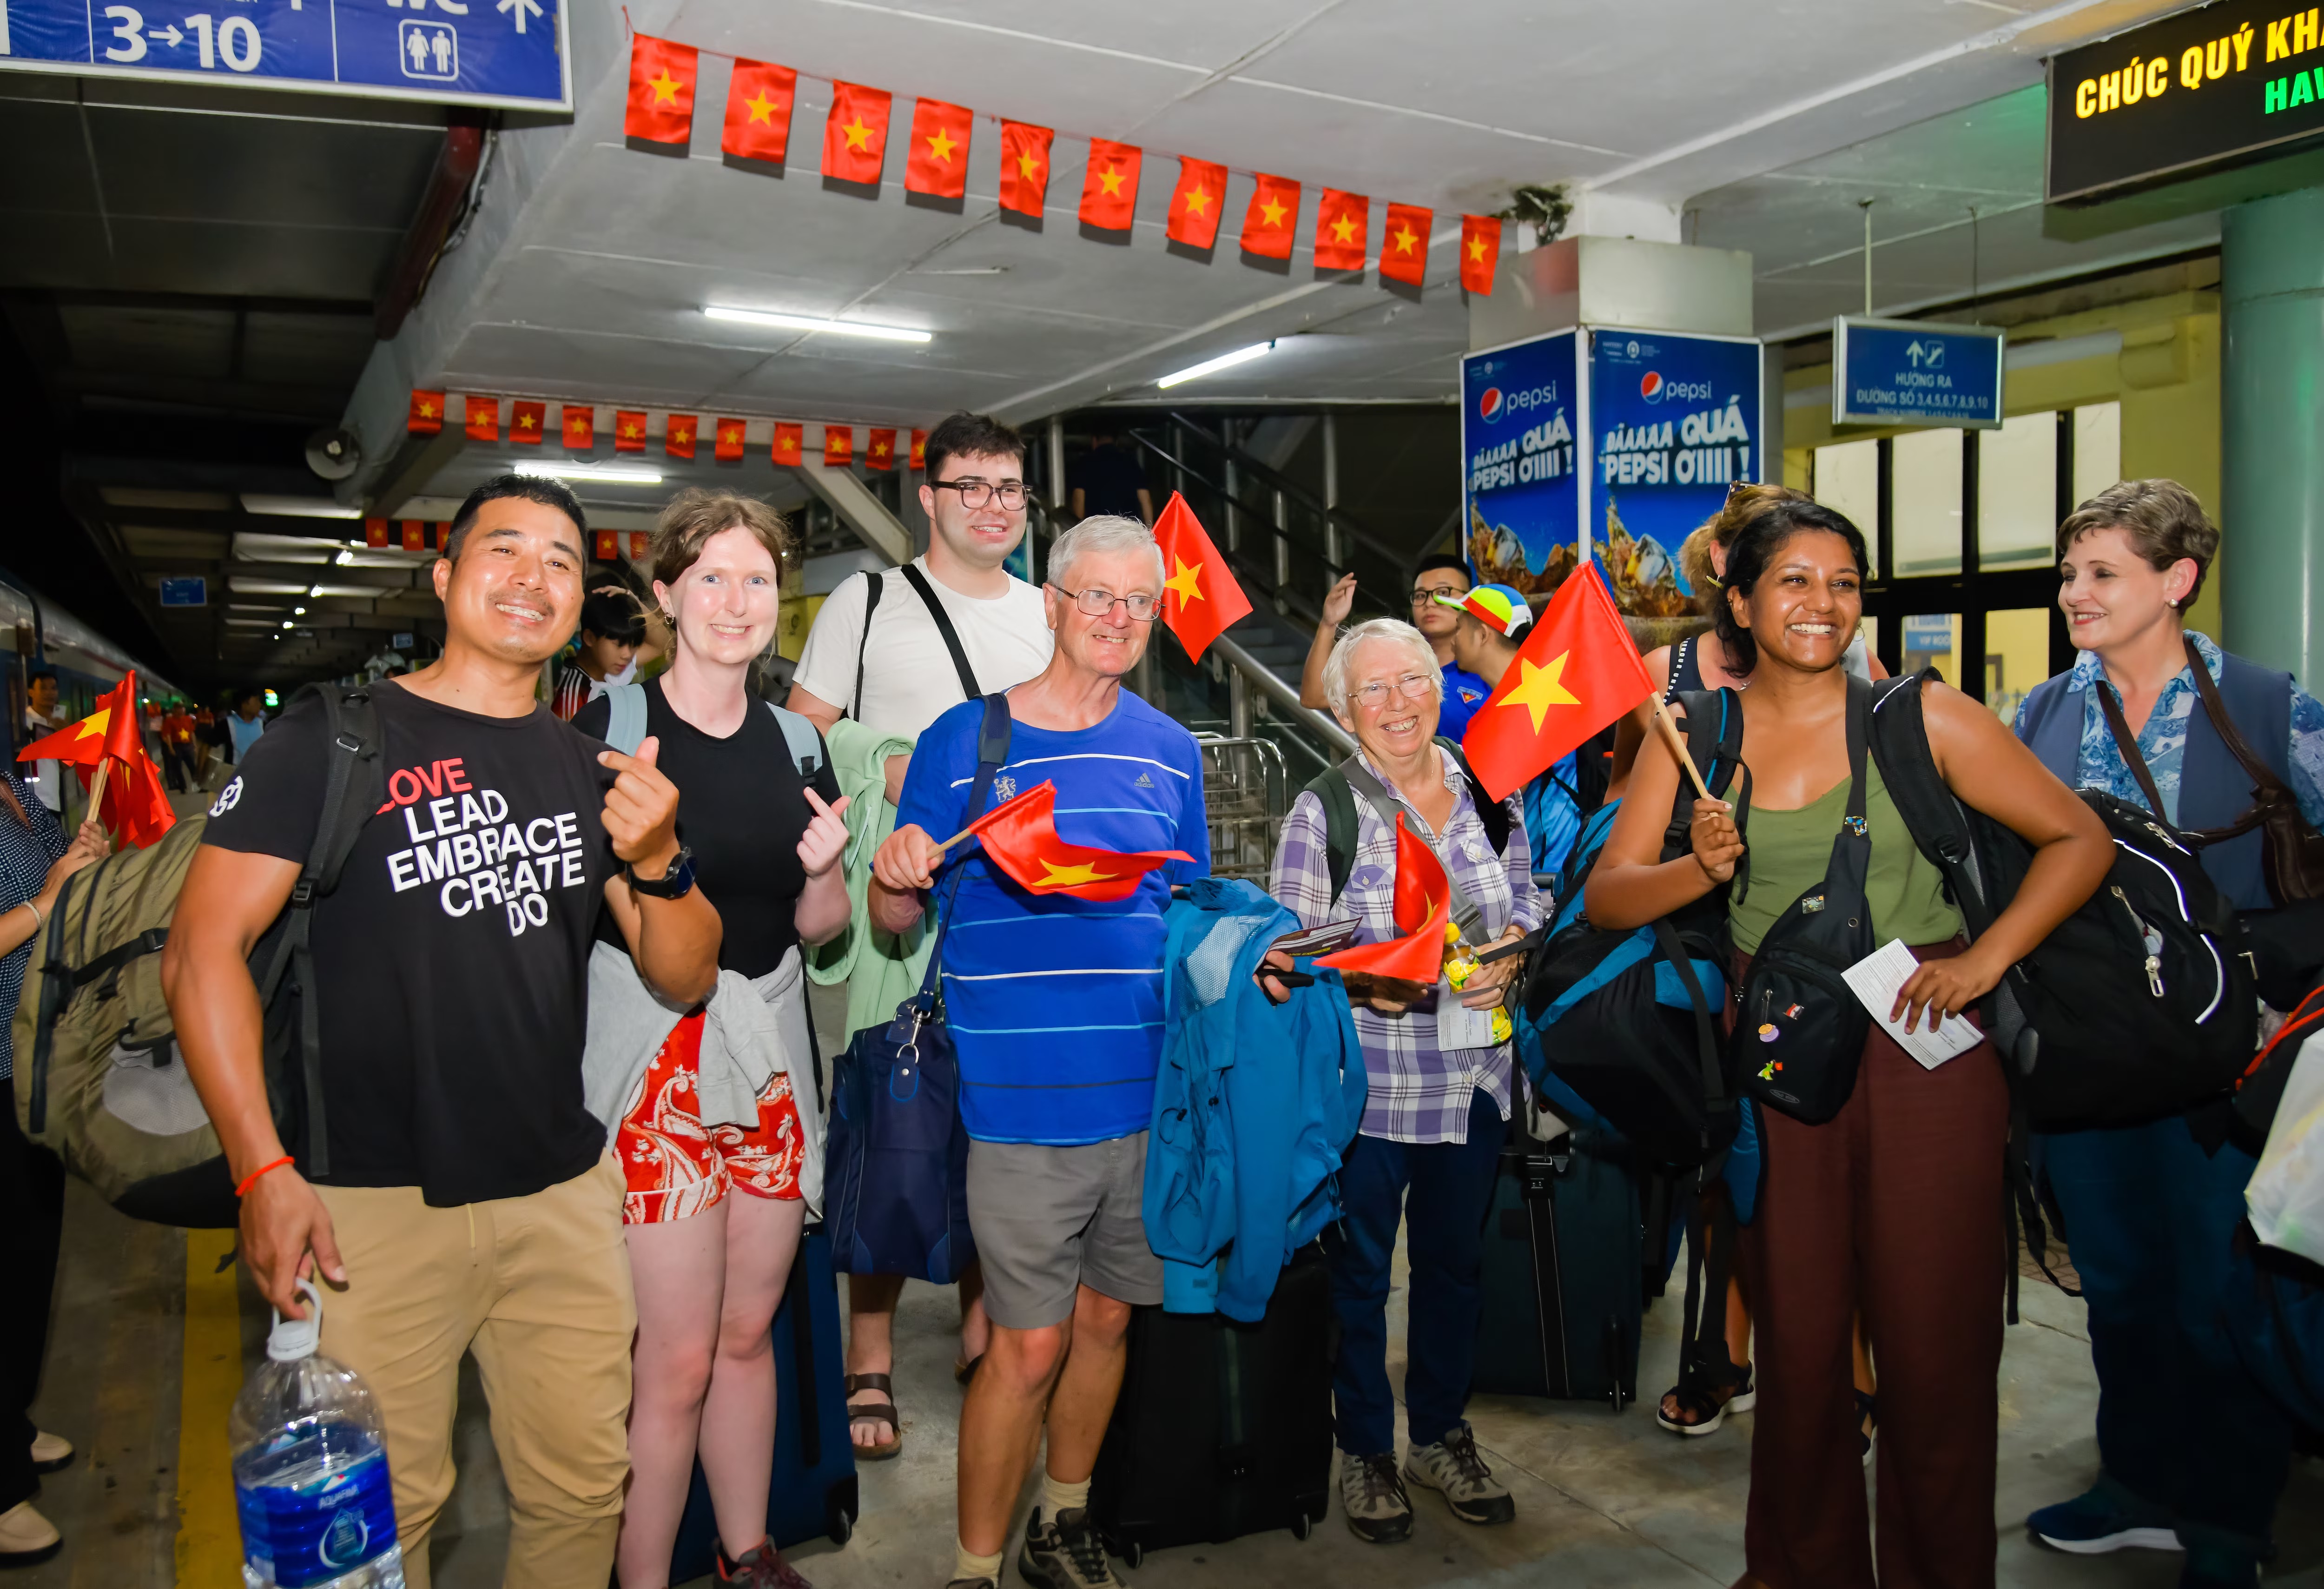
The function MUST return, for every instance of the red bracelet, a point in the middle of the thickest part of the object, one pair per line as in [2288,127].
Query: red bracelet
[250,1179]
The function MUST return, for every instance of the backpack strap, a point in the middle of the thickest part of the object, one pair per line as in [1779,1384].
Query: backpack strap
[625,724]
[1358,777]
[1338,802]
[969,688]
[1494,815]
[874,582]
[803,739]
[992,753]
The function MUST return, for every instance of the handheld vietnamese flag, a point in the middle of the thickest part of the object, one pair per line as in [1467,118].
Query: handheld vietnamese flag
[483,419]
[629,431]
[789,442]
[1021,836]
[1198,201]
[1404,245]
[727,447]
[129,799]
[1110,190]
[1273,216]
[580,426]
[759,111]
[1199,596]
[662,91]
[1423,910]
[678,436]
[937,165]
[1024,167]
[1480,251]
[838,445]
[525,423]
[1575,674]
[882,452]
[1343,230]
[427,418]
[920,450]
[856,133]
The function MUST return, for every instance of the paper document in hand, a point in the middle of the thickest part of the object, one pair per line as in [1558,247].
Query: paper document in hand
[1878,978]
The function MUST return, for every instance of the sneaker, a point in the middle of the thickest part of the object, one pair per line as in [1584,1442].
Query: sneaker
[763,1569]
[26,1536]
[50,1452]
[1452,1466]
[2104,1518]
[1372,1496]
[1064,1552]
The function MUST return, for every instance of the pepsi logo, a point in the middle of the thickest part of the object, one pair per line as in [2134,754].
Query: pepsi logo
[1489,405]
[1650,386]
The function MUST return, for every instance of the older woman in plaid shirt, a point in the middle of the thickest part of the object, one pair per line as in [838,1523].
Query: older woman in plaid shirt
[1441,1086]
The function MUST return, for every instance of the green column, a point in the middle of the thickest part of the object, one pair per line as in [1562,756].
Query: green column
[2272,431]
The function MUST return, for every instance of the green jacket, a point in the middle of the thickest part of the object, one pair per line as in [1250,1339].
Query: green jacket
[881,969]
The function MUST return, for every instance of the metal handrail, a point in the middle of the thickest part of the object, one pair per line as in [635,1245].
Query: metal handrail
[1284,698]
[1276,480]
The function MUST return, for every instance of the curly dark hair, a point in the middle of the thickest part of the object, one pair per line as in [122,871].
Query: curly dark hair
[1753,547]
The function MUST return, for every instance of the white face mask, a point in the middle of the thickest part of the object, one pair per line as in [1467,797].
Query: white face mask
[629,671]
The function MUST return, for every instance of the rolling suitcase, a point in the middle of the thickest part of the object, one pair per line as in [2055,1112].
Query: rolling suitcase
[1221,1429]
[1563,1271]
[812,1490]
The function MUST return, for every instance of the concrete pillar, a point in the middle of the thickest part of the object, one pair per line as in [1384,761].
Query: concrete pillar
[2272,425]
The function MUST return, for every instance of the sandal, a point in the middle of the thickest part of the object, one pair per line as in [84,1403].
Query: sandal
[1868,1423]
[1701,1411]
[879,1408]
[963,1370]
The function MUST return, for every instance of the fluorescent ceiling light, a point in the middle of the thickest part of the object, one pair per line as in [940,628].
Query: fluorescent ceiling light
[604,474]
[344,559]
[1210,367]
[298,507]
[759,317]
[298,612]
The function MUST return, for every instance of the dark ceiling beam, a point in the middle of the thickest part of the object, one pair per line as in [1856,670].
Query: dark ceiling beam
[154,473]
[414,464]
[440,209]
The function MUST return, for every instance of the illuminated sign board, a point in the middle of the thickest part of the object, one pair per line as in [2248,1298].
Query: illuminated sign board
[2220,83]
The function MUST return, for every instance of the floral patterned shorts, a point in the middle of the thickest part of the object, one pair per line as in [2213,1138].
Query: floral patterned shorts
[676,1166]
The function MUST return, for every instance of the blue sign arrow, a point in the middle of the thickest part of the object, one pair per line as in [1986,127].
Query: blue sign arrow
[1912,373]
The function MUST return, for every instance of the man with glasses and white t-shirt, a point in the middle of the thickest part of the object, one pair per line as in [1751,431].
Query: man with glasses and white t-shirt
[1440,575]
[950,625]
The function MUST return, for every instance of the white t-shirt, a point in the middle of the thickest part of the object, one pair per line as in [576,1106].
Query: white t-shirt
[909,678]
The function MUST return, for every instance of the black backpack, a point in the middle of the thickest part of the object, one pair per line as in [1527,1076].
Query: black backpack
[1330,786]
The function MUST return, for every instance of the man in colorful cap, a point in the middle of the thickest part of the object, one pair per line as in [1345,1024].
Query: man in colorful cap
[1490,627]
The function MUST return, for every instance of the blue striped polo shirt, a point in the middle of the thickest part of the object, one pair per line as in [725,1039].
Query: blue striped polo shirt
[1055,1003]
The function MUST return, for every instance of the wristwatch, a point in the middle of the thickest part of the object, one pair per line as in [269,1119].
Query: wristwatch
[675,883]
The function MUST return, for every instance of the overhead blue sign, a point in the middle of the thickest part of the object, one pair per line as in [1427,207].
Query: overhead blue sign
[187,591]
[1909,373]
[509,52]
[1520,423]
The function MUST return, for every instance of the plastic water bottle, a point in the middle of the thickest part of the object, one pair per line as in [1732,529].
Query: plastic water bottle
[311,1479]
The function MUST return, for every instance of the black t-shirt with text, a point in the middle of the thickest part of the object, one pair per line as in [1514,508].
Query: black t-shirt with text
[741,811]
[452,961]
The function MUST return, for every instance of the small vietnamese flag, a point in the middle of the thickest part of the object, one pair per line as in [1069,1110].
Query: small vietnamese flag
[135,806]
[678,436]
[1199,596]
[374,531]
[838,445]
[609,546]
[856,133]
[882,452]
[789,440]
[638,541]
[1024,167]
[939,163]
[1575,674]
[483,418]
[1422,910]
[1480,251]
[728,446]
[1020,838]
[525,423]
[1343,230]
[920,450]
[415,534]
[427,413]
[1197,202]
[759,111]
[662,91]
[1404,245]
[580,427]
[629,431]
[1273,216]
[1110,190]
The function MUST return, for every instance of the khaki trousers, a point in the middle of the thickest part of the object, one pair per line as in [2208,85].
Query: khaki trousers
[538,1289]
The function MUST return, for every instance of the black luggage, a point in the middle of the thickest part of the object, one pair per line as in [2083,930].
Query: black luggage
[1221,1429]
[1563,1271]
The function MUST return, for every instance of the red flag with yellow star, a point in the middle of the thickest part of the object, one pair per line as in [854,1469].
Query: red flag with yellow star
[856,133]
[483,419]
[1024,167]
[920,450]
[374,531]
[414,532]
[1575,674]
[678,436]
[759,111]
[662,91]
[1110,190]
[1480,251]
[427,417]
[881,453]
[838,445]
[1197,202]
[1021,837]
[580,426]
[789,439]
[1272,217]
[629,429]
[525,423]
[1199,596]
[1422,911]
[1343,230]
[135,806]
[609,546]
[1404,244]
[638,541]
[726,445]
[938,164]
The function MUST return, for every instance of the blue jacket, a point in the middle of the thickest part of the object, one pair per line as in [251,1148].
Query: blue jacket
[1253,1108]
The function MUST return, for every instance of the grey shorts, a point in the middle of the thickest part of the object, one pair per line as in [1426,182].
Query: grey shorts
[1047,1220]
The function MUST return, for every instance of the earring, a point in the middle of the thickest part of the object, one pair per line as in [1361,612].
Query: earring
[2170,601]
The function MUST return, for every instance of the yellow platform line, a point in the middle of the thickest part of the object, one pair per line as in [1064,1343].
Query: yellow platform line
[209,1539]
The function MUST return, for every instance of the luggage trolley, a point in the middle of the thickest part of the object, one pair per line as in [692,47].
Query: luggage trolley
[1246,796]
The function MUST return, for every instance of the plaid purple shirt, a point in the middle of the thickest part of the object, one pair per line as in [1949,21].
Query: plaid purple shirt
[1419,1092]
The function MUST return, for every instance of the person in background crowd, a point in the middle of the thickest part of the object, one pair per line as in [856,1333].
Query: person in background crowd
[40,720]
[1897,1199]
[710,1267]
[1109,480]
[247,721]
[153,734]
[206,728]
[612,627]
[1485,642]
[178,746]
[896,677]
[468,1202]
[1442,1083]
[2192,1454]
[1055,1010]
[34,862]
[618,578]
[1439,575]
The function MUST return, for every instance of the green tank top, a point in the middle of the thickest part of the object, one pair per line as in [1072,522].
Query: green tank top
[1791,849]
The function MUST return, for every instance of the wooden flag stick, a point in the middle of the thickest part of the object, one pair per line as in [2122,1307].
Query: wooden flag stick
[96,789]
[1677,742]
[956,838]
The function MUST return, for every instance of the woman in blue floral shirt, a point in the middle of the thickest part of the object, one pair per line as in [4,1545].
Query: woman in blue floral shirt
[2192,1453]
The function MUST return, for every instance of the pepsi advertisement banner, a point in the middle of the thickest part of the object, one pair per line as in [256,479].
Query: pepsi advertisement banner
[1674,421]
[1520,428]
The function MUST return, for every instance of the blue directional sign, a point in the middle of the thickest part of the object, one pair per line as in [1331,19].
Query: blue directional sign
[510,52]
[1914,373]
[189,590]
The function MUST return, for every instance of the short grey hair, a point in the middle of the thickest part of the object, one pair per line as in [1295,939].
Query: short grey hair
[1396,632]
[1102,532]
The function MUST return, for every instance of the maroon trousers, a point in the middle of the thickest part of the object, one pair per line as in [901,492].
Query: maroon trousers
[1893,1206]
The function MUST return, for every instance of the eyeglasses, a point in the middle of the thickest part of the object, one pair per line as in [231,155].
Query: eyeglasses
[1099,604]
[976,494]
[1412,687]
[1423,595]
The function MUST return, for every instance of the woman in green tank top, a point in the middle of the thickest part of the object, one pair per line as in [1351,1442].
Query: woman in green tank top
[1894,1202]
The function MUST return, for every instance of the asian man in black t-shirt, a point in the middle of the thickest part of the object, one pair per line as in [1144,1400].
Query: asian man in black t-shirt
[468,1202]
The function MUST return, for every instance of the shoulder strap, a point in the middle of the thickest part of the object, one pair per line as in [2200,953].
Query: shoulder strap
[1338,802]
[991,753]
[1494,815]
[802,738]
[1375,794]
[625,722]
[2124,741]
[1899,739]
[969,688]
[874,582]
[2263,779]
